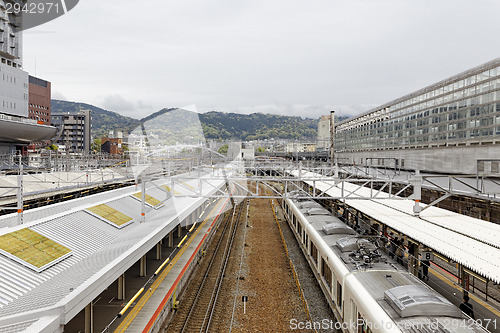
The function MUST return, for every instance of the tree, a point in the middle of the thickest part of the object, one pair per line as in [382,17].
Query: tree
[96,146]
[223,150]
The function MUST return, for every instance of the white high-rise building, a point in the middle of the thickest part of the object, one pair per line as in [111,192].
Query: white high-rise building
[13,80]
[16,129]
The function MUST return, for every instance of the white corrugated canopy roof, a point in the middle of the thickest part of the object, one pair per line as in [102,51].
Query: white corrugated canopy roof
[471,242]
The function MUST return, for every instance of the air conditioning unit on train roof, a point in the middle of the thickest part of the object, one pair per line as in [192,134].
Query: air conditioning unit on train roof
[412,300]
[335,228]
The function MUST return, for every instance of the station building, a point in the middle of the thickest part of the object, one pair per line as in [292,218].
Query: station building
[17,130]
[452,126]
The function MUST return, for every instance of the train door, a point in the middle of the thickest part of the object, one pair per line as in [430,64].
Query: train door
[353,315]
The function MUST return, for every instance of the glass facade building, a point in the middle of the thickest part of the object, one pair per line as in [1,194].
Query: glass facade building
[462,110]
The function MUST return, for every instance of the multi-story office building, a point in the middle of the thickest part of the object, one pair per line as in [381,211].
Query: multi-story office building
[75,137]
[39,100]
[16,129]
[450,126]
[39,105]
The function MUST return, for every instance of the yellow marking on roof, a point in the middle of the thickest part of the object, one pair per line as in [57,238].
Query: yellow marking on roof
[32,247]
[149,199]
[110,214]
[186,184]
[170,190]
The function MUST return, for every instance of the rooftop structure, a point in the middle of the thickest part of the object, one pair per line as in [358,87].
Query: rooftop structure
[105,234]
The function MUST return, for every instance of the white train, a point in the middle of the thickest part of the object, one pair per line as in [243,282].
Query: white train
[367,291]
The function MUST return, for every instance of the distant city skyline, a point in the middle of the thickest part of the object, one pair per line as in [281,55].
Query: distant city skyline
[292,58]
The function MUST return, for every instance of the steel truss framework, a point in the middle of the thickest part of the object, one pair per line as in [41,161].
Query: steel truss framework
[380,182]
[276,177]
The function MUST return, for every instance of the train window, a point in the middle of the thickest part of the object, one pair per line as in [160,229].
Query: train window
[327,273]
[314,253]
[339,295]
[334,283]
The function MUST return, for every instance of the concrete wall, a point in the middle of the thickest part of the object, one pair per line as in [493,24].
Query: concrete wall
[460,159]
[13,91]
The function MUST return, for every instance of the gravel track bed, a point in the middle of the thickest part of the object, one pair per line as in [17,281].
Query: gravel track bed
[273,299]
[259,269]
[318,305]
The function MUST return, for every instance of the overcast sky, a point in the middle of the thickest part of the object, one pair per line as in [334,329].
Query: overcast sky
[275,56]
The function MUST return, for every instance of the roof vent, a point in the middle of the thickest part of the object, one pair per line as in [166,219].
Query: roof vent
[316,211]
[410,301]
[308,204]
[334,228]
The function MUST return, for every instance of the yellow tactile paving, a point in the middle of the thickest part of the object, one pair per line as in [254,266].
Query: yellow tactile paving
[140,304]
[455,286]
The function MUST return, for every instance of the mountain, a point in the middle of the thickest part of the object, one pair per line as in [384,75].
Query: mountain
[215,125]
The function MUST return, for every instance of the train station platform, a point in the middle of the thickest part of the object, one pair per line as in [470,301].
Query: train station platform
[467,249]
[62,257]
[156,303]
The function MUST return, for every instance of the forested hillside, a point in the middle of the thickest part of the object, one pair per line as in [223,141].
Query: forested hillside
[215,125]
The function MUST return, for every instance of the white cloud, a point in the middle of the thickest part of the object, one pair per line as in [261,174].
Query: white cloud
[117,103]
[226,55]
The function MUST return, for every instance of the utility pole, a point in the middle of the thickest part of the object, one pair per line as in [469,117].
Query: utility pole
[332,138]
[20,201]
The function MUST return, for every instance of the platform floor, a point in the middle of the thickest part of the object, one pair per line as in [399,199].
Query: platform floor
[486,312]
[137,317]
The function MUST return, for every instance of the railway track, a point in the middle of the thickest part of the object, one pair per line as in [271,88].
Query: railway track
[198,308]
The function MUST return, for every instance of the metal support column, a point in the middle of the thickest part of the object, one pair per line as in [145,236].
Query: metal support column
[464,279]
[89,318]
[332,137]
[142,264]
[417,192]
[20,202]
[143,200]
[121,287]
[179,230]
[171,239]
[158,251]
